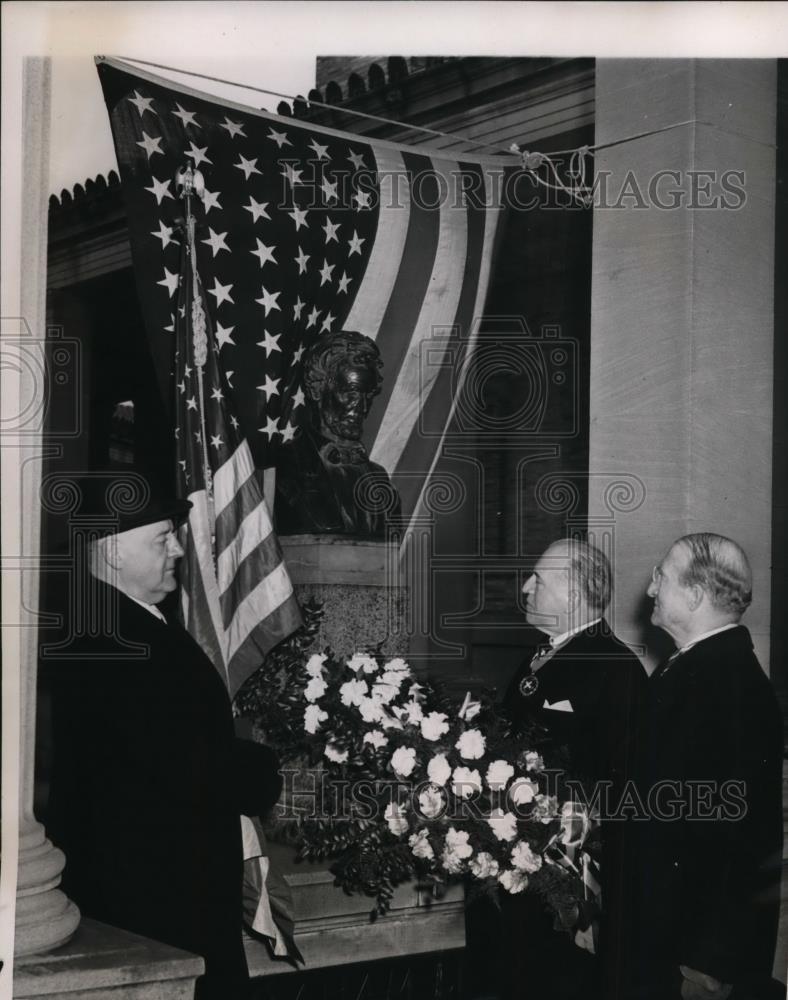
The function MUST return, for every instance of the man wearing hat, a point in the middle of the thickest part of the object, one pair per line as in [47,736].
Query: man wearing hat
[148,779]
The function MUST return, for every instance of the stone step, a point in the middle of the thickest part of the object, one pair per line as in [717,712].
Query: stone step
[105,963]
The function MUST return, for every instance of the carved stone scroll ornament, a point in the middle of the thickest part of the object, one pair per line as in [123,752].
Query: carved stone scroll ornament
[325,482]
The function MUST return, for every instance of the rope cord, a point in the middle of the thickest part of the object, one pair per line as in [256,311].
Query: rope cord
[320,104]
[531,160]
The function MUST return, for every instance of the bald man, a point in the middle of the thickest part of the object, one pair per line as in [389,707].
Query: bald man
[713,853]
[588,690]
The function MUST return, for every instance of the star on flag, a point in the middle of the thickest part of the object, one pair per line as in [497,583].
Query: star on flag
[263,253]
[271,387]
[216,241]
[280,138]
[160,190]
[268,300]
[233,128]
[270,343]
[221,292]
[142,104]
[248,166]
[170,280]
[187,117]
[258,209]
[224,335]
[151,144]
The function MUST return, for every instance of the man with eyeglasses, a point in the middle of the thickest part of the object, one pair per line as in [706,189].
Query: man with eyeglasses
[712,854]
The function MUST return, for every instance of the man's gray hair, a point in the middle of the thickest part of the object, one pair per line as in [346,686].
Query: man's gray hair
[720,566]
[591,573]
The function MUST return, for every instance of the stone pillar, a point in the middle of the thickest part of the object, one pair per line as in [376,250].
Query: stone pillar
[682,318]
[45,918]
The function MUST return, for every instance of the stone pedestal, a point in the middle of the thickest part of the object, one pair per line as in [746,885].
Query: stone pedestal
[358,582]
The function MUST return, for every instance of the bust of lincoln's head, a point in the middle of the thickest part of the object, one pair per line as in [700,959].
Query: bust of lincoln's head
[342,375]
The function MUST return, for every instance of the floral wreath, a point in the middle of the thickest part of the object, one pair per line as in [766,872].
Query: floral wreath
[393,780]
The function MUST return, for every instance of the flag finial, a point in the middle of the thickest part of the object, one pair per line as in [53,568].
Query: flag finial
[189,181]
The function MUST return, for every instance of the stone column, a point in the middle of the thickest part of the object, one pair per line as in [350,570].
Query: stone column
[45,918]
[682,314]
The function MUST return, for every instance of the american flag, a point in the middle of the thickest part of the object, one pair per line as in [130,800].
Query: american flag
[302,231]
[237,597]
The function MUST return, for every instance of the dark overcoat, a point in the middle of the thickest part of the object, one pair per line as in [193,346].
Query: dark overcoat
[713,861]
[148,782]
[600,739]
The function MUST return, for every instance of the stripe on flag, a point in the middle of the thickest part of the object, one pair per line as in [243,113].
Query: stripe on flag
[442,399]
[442,293]
[373,298]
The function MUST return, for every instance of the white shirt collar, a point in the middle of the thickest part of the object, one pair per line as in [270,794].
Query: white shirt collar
[559,640]
[149,607]
[706,635]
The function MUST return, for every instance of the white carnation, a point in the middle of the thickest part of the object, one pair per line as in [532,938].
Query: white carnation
[484,865]
[513,881]
[546,808]
[471,744]
[361,661]
[403,760]
[456,850]
[438,769]
[395,817]
[384,693]
[313,716]
[431,802]
[314,665]
[376,738]
[420,845]
[522,791]
[434,725]
[353,691]
[371,709]
[524,859]
[465,782]
[315,689]
[457,841]
[498,773]
[335,754]
[503,825]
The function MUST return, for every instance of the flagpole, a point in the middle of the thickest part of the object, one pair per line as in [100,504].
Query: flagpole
[189,182]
